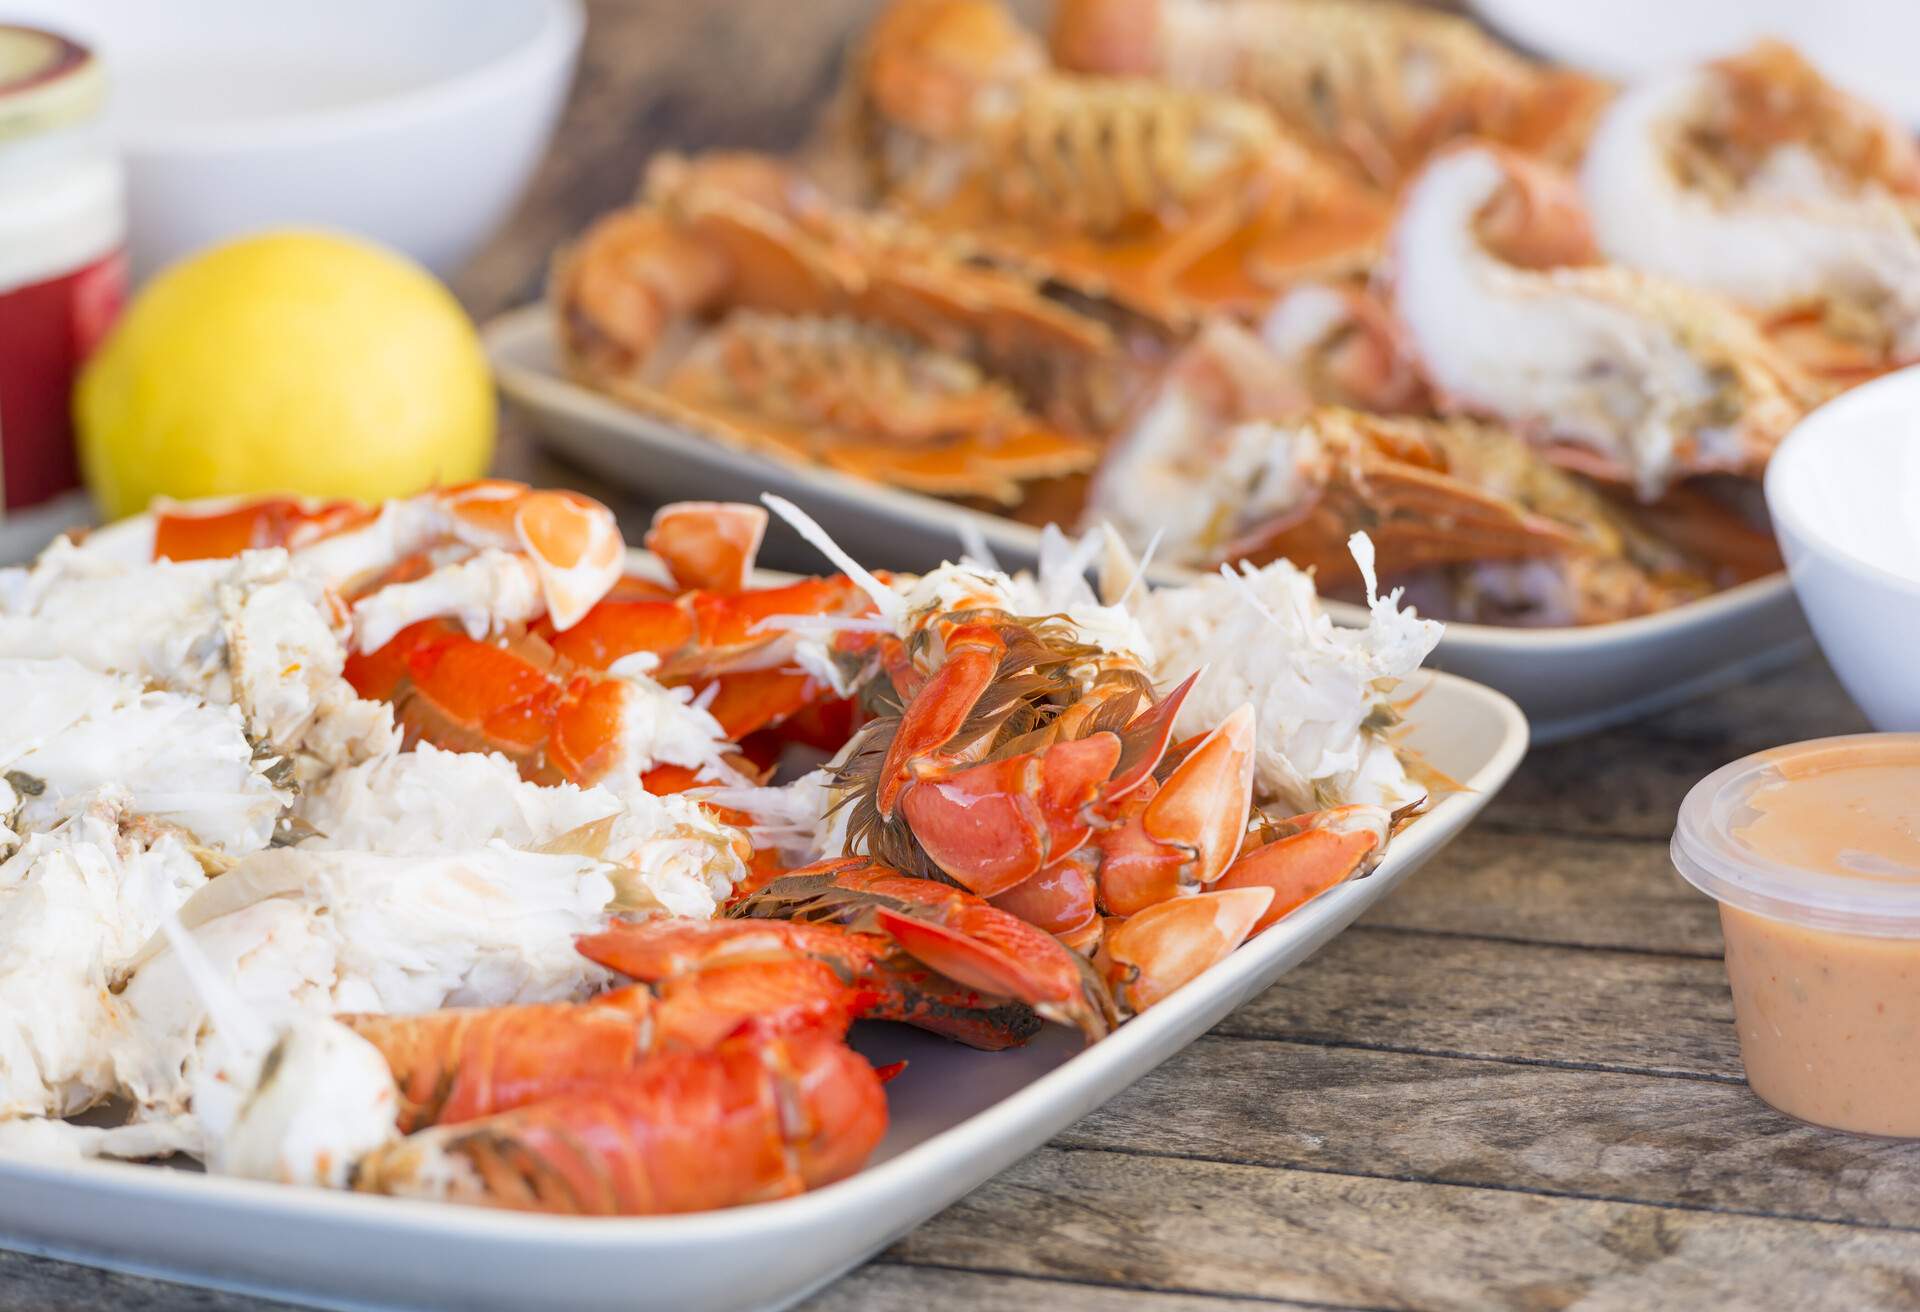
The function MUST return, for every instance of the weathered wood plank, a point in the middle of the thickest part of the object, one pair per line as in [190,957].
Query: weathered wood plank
[890,1287]
[1474,997]
[1629,781]
[1349,1241]
[1591,1134]
[1552,888]
[656,75]
[41,1284]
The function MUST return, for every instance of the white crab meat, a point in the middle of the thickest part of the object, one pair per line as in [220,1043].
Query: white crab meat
[481,593]
[1193,447]
[429,800]
[1056,589]
[76,903]
[293,932]
[322,1098]
[70,736]
[803,820]
[1796,233]
[252,631]
[43,1139]
[665,726]
[1576,356]
[667,852]
[566,589]
[1318,691]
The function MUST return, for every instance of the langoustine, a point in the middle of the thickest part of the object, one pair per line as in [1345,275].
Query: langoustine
[1757,178]
[1168,200]
[1378,85]
[737,300]
[1614,373]
[1231,462]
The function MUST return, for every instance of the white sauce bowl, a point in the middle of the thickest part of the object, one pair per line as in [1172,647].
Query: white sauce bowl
[1844,491]
[413,122]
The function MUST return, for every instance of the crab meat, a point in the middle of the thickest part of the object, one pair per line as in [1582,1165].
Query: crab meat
[293,932]
[1258,636]
[254,631]
[1377,87]
[322,1099]
[72,736]
[1680,185]
[667,852]
[1617,373]
[76,903]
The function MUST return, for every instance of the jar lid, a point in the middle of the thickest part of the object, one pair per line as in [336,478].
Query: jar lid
[47,81]
[1824,833]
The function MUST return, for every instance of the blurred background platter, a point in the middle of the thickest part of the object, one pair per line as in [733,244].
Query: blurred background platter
[1865,45]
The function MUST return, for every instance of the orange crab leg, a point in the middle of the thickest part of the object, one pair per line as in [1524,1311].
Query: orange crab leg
[708,545]
[750,700]
[1060,899]
[660,949]
[1189,829]
[755,1119]
[958,934]
[183,533]
[463,1063]
[994,825]
[1148,955]
[700,632]
[478,696]
[888,984]
[1326,848]
[939,709]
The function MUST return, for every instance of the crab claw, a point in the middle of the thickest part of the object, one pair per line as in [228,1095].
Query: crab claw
[1149,955]
[1325,848]
[994,825]
[708,545]
[1189,829]
[939,709]
[667,947]
[576,549]
[949,930]
[1060,900]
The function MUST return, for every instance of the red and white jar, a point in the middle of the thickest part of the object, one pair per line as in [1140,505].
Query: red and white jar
[63,271]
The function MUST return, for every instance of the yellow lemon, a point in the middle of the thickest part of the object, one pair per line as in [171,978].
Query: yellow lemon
[287,362]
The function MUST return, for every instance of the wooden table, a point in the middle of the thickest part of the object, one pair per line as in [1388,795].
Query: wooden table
[1514,1084]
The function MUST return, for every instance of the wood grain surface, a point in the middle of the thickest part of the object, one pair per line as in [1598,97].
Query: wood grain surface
[1514,1085]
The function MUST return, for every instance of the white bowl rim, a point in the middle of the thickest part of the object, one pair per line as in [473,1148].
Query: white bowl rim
[562,26]
[1837,412]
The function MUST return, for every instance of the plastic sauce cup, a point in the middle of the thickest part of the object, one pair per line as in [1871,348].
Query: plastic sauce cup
[1813,852]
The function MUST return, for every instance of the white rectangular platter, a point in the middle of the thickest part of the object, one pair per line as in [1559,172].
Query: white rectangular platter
[958,1116]
[1568,681]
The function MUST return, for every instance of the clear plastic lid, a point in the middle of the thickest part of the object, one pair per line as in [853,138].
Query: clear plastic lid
[1824,833]
[47,82]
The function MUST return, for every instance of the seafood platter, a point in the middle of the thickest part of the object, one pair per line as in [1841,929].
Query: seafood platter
[1240,277]
[431,875]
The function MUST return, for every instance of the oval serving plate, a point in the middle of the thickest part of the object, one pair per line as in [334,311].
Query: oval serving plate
[1568,681]
[958,1117]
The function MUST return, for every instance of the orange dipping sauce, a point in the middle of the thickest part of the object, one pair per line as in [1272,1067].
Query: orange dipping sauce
[1813,852]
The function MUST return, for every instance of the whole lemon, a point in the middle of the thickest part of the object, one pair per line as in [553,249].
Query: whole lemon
[291,361]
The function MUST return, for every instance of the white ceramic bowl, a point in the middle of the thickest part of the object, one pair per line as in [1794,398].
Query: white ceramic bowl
[414,122]
[1844,489]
